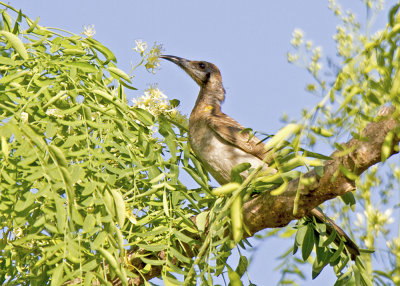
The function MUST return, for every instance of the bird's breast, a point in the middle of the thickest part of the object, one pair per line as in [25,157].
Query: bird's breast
[218,156]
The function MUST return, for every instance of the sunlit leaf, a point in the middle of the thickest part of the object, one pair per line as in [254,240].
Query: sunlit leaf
[16,43]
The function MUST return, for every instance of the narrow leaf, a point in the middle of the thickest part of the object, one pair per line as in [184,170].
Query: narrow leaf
[308,243]
[237,219]
[119,206]
[16,43]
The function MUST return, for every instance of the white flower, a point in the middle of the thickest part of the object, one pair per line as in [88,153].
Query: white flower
[156,102]
[89,31]
[140,47]
[377,219]
[314,68]
[153,100]
[387,216]
[317,54]
[360,220]
[24,117]
[292,57]
[18,232]
[53,112]
[297,38]
[153,58]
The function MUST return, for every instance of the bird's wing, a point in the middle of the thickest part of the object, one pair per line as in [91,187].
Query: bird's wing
[232,132]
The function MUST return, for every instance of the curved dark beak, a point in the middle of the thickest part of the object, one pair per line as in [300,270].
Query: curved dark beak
[176,60]
[184,64]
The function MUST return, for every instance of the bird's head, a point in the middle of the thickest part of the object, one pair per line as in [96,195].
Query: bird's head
[204,73]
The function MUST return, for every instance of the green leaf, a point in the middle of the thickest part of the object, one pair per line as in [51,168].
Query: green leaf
[279,138]
[226,189]
[89,223]
[113,263]
[7,61]
[392,14]
[330,239]
[84,66]
[181,257]
[183,237]
[242,266]
[16,43]
[321,131]
[201,220]
[13,76]
[301,232]
[102,49]
[165,203]
[237,170]
[308,243]
[32,26]
[61,213]
[58,156]
[100,238]
[6,21]
[344,278]
[89,266]
[152,261]
[237,218]
[109,203]
[354,91]
[338,252]
[319,170]
[76,216]
[119,206]
[169,281]
[55,98]
[387,146]
[349,174]
[25,202]
[153,246]
[117,73]
[234,278]
[195,176]
[56,277]
[349,199]
[146,117]
[77,52]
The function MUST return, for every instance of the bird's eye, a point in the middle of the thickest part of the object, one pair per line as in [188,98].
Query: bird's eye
[202,65]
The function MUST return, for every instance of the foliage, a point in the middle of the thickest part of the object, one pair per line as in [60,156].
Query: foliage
[90,187]
[364,78]
[84,181]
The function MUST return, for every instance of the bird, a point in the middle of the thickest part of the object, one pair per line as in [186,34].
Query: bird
[219,141]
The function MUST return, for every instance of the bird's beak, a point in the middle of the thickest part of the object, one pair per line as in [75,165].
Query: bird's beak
[183,63]
[187,66]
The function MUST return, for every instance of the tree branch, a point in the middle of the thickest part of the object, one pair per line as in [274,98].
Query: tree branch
[268,211]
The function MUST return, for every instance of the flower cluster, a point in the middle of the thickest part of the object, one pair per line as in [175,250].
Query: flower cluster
[394,246]
[311,58]
[152,57]
[297,38]
[377,222]
[315,65]
[335,7]
[89,31]
[156,102]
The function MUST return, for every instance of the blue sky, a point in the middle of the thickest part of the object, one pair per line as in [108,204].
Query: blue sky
[247,40]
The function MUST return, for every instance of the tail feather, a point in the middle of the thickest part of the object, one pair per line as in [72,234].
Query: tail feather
[331,225]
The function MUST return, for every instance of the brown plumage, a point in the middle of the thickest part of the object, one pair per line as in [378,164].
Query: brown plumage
[221,142]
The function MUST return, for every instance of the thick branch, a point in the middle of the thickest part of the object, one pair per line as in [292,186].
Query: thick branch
[267,211]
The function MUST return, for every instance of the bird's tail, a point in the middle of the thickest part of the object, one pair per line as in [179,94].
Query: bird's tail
[331,225]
